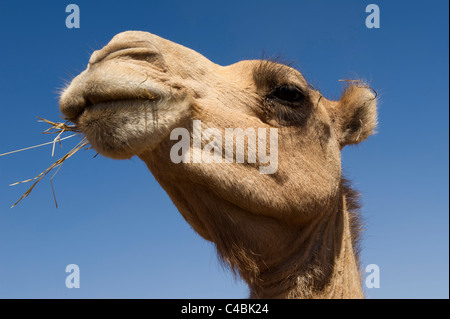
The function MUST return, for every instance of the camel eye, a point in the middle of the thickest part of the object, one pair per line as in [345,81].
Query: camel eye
[288,93]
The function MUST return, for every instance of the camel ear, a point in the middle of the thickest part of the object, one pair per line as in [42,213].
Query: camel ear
[356,112]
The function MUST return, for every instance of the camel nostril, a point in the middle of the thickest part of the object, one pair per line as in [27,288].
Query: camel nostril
[137,50]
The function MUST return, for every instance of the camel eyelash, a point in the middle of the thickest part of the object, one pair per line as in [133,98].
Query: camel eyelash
[270,73]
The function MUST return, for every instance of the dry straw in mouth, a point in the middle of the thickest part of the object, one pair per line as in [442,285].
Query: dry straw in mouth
[55,128]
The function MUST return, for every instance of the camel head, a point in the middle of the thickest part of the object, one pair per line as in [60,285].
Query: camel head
[141,95]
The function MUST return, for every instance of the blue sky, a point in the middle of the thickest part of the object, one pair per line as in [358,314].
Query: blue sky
[116,223]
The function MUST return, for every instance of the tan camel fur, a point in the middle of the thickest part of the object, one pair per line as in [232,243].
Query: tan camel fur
[289,234]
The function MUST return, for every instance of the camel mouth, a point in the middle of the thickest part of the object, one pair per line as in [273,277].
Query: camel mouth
[97,103]
[92,104]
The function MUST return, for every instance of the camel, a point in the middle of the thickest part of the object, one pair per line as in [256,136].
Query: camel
[291,233]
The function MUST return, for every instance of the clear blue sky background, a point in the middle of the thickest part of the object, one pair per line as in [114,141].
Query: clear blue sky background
[120,227]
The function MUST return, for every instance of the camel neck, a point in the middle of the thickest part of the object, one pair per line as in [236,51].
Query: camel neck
[324,265]
[277,259]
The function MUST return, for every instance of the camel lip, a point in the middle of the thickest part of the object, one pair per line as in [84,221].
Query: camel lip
[94,102]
